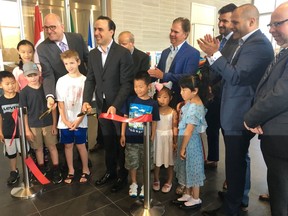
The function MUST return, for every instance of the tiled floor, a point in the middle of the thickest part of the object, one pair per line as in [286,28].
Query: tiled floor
[87,199]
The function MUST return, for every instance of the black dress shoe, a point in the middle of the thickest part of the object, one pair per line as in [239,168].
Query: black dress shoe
[107,177]
[196,206]
[217,212]
[213,212]
[119,184]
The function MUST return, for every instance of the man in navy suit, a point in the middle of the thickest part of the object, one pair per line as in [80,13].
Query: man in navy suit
[49,54]
[241,74]
[110,75]
[179,60]
[269,115]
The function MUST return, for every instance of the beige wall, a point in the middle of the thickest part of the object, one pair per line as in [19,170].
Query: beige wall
[150,20]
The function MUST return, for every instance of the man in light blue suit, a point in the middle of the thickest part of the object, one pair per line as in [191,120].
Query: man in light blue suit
[241,73]
[179,60]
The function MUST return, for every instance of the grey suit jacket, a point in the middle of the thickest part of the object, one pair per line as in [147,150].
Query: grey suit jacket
[270,108]
[240,79]
[52,66]
[114,80]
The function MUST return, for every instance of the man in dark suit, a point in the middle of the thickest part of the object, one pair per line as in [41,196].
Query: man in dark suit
[179,60]
[110,74]
[140,59]
[49,54]
[269,115]
[227,47]
[241,74]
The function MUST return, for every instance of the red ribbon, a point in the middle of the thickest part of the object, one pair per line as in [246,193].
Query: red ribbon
[15,118]
[114,117]
[36,172]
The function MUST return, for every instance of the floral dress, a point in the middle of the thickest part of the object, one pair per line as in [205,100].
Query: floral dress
[190,172]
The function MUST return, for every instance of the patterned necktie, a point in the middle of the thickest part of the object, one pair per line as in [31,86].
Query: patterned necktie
[277,57]
[63,46]
[273,63]
[222,43]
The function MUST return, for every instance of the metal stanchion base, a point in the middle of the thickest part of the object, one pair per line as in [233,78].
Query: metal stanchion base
[156,208]
[26,192]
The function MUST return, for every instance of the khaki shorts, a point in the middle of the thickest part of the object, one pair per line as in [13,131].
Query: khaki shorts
[43,134]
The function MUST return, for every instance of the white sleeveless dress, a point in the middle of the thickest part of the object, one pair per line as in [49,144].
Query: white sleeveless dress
[163,142]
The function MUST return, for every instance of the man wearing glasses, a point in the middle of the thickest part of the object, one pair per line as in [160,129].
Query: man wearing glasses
[49,51]
[269,115]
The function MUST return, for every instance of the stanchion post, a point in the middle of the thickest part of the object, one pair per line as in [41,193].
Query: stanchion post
[150,206]
[26,190]
[147,166]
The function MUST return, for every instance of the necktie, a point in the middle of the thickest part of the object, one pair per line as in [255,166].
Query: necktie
[240,43]
[63,46]
[222,43]
[277,57]
[273,63]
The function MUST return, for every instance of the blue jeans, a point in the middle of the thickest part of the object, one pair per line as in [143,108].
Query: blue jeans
[245,200]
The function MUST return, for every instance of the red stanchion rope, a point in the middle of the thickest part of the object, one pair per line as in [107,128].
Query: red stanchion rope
[114,117]
[15,118]
[36,172]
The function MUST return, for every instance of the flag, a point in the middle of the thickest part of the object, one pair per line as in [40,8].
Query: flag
[71,23]
[38,31]
[91,41]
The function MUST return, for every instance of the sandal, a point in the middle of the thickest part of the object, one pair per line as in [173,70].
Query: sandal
[69,179]
[85,178]
[156,185]
[166,188]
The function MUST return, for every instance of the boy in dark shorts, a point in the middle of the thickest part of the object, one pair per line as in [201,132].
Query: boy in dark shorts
[9,101]
[38,130]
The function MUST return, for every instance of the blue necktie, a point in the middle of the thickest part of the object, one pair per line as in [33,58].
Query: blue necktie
[222,43]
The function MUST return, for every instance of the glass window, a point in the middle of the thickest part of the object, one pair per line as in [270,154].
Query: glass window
[9,30]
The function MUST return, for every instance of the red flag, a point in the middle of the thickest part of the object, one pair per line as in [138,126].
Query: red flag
[38,31]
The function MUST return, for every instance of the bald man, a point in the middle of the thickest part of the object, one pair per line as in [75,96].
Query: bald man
[269,115]
[140,59]
[49,52]
[241,73]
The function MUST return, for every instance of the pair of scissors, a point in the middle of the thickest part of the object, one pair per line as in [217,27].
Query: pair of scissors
[86,113]
[47,112]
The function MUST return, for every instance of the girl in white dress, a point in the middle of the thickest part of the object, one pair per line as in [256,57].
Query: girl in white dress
[165,138]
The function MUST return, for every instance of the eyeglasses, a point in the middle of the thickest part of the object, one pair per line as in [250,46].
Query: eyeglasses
[52,28]
[276,24]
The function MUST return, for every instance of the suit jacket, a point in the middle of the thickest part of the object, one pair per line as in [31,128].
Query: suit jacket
[114,80]
[215,79]
[141,61]
[270,108]
[240,79]
[184,63]
[51,63]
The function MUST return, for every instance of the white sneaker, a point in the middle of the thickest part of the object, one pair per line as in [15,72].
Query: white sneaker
[193,202]
[184,198]
[133,190]
[141,195]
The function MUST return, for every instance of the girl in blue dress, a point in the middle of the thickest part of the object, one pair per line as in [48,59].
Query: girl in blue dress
[189,164]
